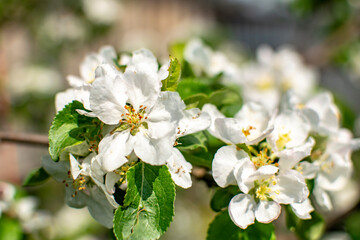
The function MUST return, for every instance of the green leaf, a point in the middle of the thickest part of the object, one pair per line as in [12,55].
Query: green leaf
[67,129]
[177,50]
[172,81]
[222,197]
[10,229]
[192,141]
[198,157]
[189,86]
[36,177]
[149,203]
[223,228]
[311,229]
[198,100]
[224,97]
[352,224]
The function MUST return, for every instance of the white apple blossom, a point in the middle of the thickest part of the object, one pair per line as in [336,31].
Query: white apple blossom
[193,120]
[212,63]
[273,74]
[263,192]
[80,86]
[320,111]
[144,118]
[334,166]
[290,139]
[250,125]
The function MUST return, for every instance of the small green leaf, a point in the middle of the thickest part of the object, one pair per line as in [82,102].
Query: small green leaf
[223,228]
[189,86]
[192,141]
[197,100]
[177,50]
[149,203]
[198,157]
[222,197]
[224,97]
[172,81]
[68,128]
[311,229]
[10,229]
[36,177]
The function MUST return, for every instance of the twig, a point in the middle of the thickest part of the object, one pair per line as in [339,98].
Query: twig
[24,138]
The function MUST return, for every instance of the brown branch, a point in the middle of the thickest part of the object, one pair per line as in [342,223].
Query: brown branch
[24,138]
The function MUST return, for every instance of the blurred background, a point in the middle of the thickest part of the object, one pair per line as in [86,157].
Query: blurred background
[41,42]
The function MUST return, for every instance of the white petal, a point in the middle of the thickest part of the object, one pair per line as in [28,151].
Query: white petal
[142,89]
[229,130]
[161,129]
[110,179]
[88,66]
[152,151]
[293,125]
[113,149]
[302,210]
[242,171]
[241,210]
[224,163]
[334,173]
[163,72]
[308,170]
[108,98]
[214,114]
[143,61]
[290,157]
[75,167]
[168,107]
[108,53]
[290,187]
[72,94]
[267,211]
[179,169]
[75,82]
[322,198]
[193,121]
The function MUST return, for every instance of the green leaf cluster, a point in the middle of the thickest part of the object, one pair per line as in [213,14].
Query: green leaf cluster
[148,207]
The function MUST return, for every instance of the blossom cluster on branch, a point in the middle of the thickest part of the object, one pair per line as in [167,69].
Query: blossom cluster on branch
[130,128]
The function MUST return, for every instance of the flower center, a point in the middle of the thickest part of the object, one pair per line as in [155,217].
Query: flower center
[265,82]
[283,139]
[246,131]
[262,159]
[132,120]
[262,190]
[78,184]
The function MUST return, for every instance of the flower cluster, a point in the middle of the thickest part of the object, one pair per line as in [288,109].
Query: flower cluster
[274,147]
[138,122]
[127,124]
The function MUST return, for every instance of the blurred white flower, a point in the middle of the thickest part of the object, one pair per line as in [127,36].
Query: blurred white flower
[59,27]
[102,12]
[33,79]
